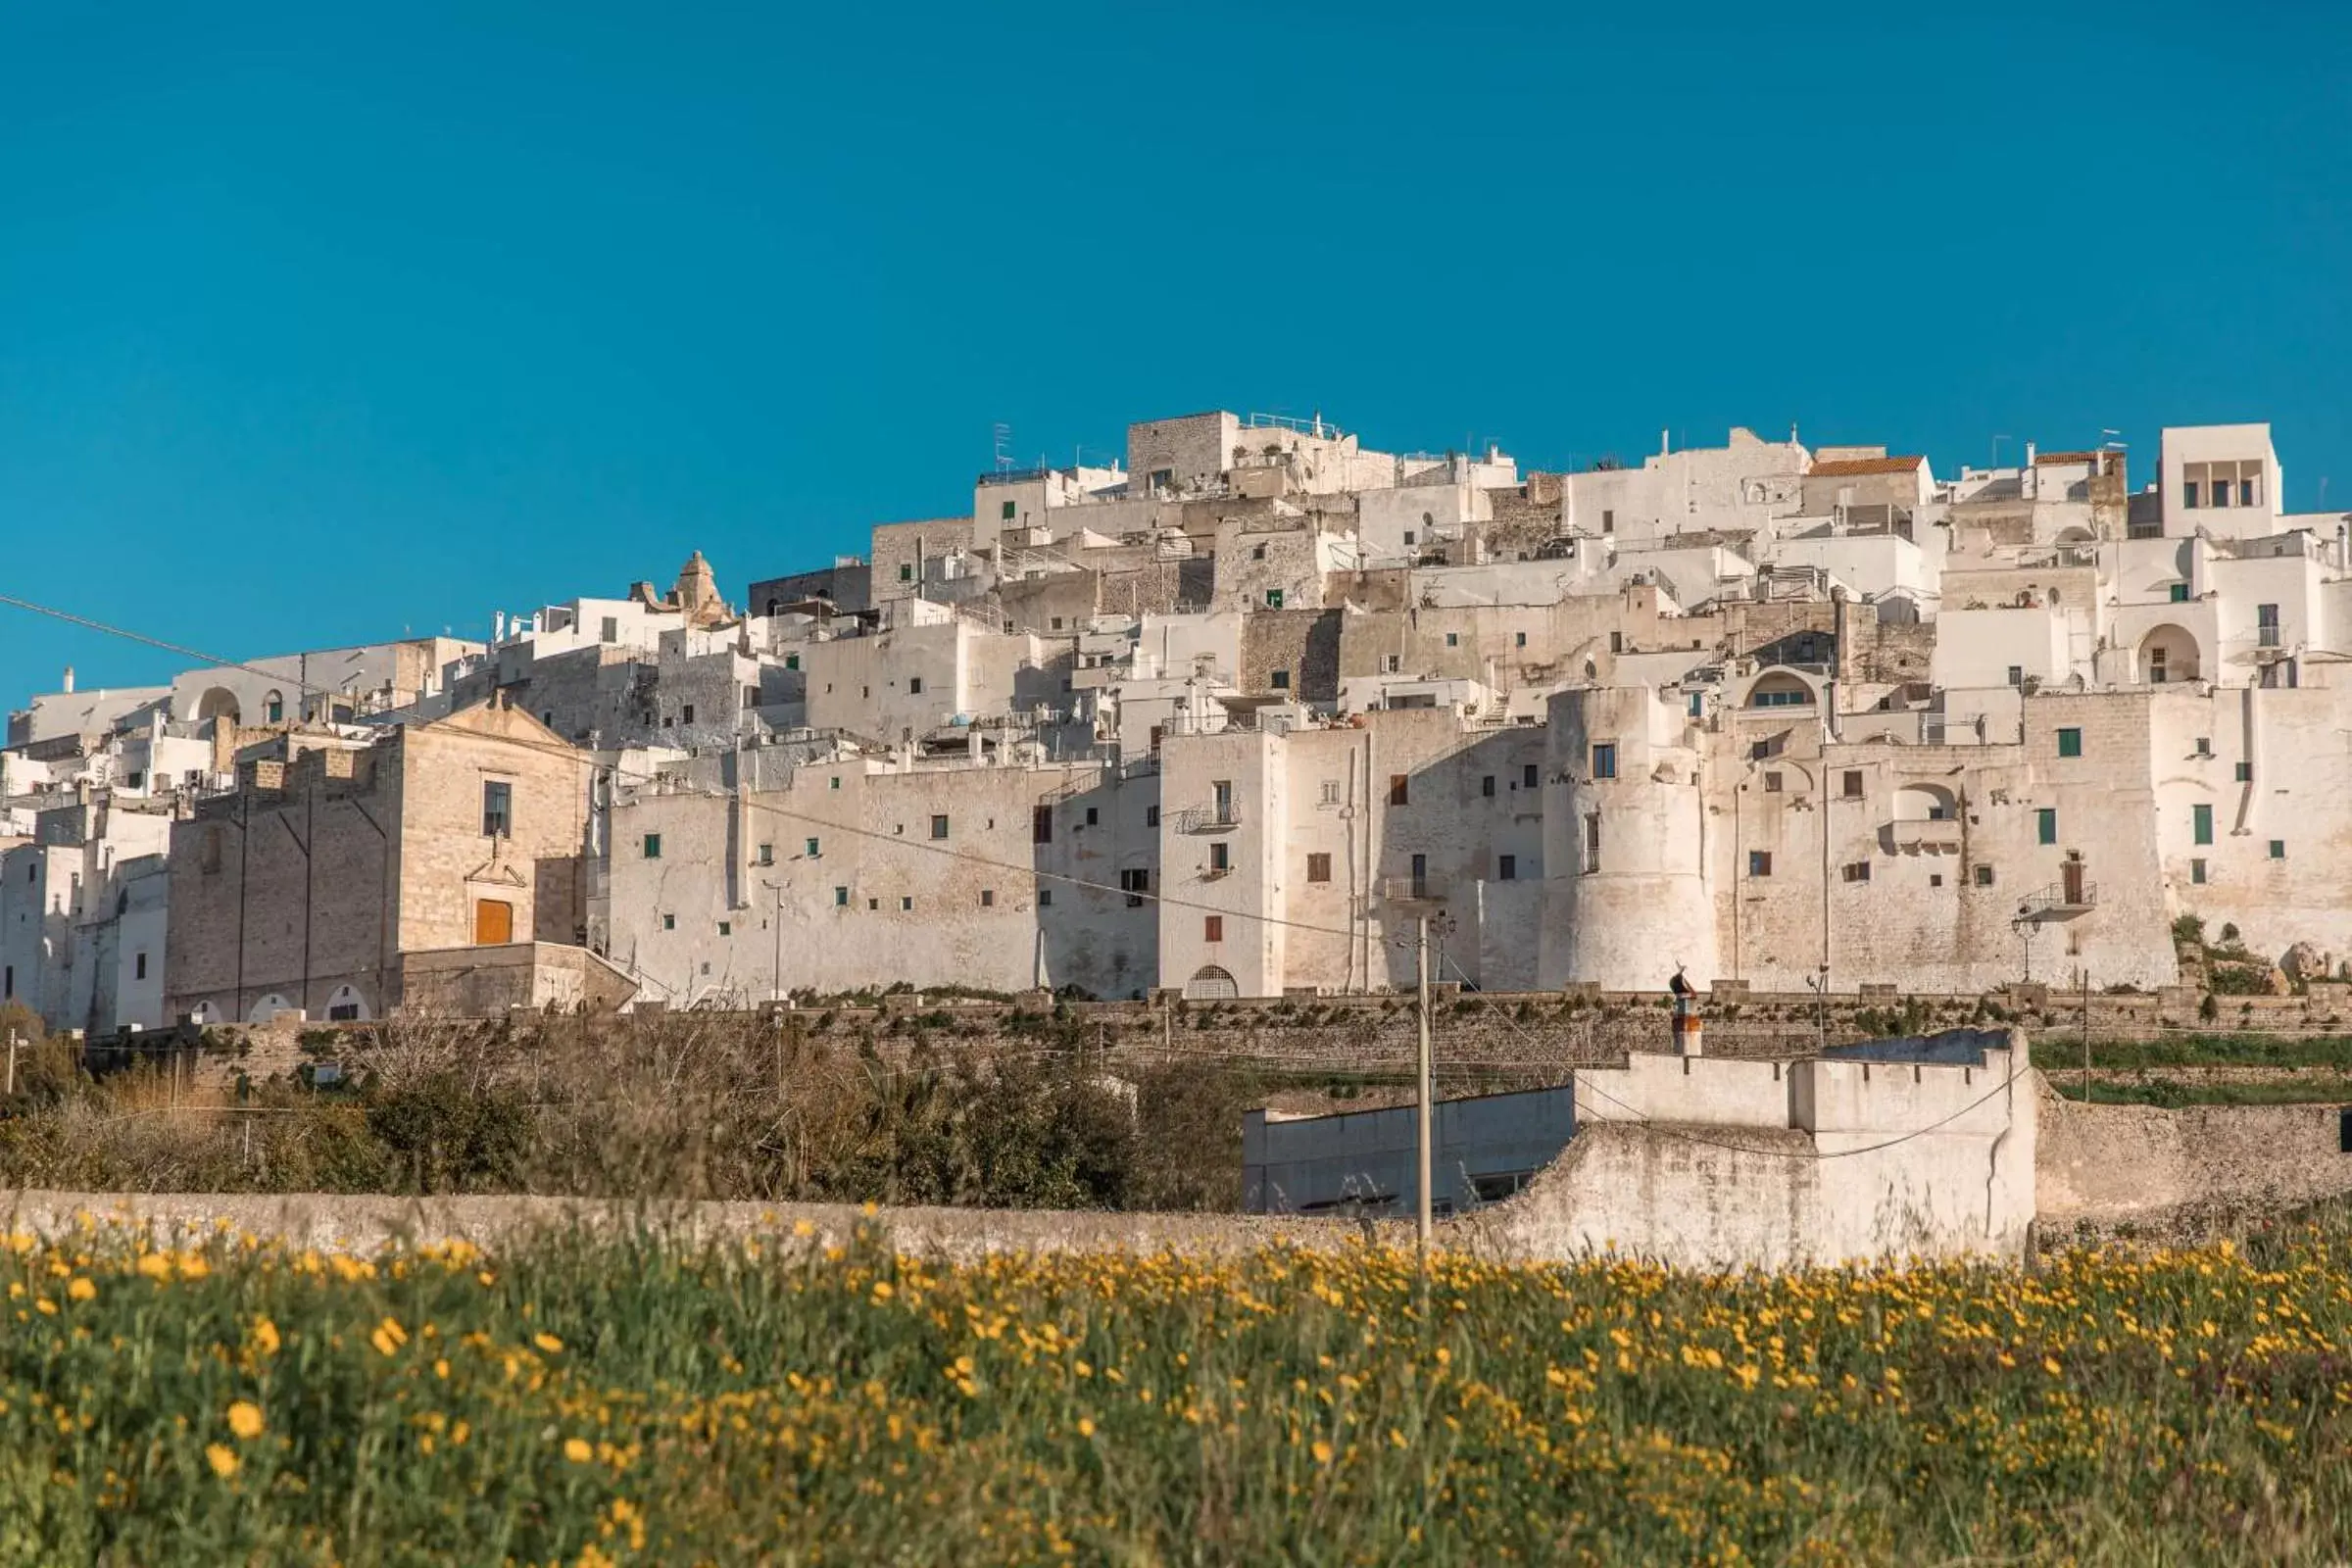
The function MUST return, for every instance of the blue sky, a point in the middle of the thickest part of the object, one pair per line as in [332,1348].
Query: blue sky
[323,324]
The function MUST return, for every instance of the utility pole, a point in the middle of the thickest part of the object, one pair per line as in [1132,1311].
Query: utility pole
[13,1041]
[2086,1036]
[1421,1080]
[776,982]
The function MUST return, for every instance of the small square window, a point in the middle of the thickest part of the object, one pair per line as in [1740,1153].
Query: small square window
[1519,639]
[2196,872]
[1616,642]
[1399,789]
[1604,761]
[669,922]
[1409,536]
[1044,897]
[1391,663]
[2200,823]
[915,685]
[1318,868]
[2180,593]
[1852,784]
[834,782]
[2277,849]
[841,898]
[1983,876]
[1486,786]
[905,571]
[2016,675]
[2070,742]
[1221,856]
[939,827]
[1934,879]
[726,928]
[2204,746]
[1608,521]
[767,855]
[1257,552]
[1092,816]
[1006,512]
[1453,639]
[813,848]
[1529,776]
[2245,773]
[1212,928]
[1759,863]
[142,967]
[498,809]
[907,903]
[1150,817]
[653,846]
[1855,872]
[1281,680]
[873,905]
[1273,598]
[686,713]
[1506,868]
[1772,783]
[988,897]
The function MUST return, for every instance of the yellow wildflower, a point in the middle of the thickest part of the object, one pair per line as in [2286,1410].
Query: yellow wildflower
[222,1461]
[245,1419]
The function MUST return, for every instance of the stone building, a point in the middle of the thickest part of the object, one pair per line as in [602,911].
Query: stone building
[303,887]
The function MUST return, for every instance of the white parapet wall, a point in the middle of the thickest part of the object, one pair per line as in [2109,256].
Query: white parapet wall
[1711,1164]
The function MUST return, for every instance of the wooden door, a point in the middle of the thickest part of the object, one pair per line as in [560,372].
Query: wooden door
[493,923]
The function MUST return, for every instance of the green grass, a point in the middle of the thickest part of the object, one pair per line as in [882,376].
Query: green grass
[2171,1093]
[2055,1050]
[633,1400]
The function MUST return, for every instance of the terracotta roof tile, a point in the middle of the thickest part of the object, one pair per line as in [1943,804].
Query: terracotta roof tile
[1847,467]
[2066,457]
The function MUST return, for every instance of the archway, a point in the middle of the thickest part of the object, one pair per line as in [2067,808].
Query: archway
[268,1007]
[1211,983]
[1779,688]
[218,702]
[347,1006]
[204,1013]
[2169,654]
[1925,803]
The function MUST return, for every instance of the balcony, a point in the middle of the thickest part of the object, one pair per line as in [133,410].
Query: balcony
[1222,817]
[1413,889]
[2060,901]
[1931,836]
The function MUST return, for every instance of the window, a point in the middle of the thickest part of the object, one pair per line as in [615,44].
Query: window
[2277,849]
[907,903]
[1409,536]
[1506,868]
[2016,675]
[1855,872]
[767,855]
[726,928]
[1390,663]
[2045,825]
[1044,897]
[611,629]
[2159,663]
[1486,786]
[1608,521]
[834,782]
[1616,642]
[1162,478]
[1150,817]
[1772,783]
[1759,863]
[1041,824]
[873,905]
[1318,868]
[2180,593]
[2189,492]
[1528,776]
[1399,791]
[2070,742]
[2200,822]
[139,966]
[1852,783]
[1934,879]
[1591,841]
[915,685]
[1518,639]
[2196,873]
[905,571]
[1983,876]
[1257,552]
[135,779]
[1453,639]
[1212,928]
[686,713]
[1007,512]
[1057,624]
[498,809]
[1273,598]
[1281,680]
[669,922]
[653,846]
[1696,707]
[841,898]
[1220,858]
[274,709]
[2204,746]
[811,847]
[988,897]
[2245,773]
[1093,815]
[939,827]
[2266,625]
[1604,761]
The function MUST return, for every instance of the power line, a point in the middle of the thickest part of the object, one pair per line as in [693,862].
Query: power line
[567,750]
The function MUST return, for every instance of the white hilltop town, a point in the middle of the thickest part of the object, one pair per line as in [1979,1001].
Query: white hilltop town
[1229,720]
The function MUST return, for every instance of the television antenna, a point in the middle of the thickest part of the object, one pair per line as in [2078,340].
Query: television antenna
[1004,434]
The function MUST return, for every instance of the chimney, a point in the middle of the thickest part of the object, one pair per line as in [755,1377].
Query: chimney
[69,680]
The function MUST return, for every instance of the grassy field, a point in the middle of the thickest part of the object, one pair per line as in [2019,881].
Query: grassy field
[629,1400]
[2170,1093]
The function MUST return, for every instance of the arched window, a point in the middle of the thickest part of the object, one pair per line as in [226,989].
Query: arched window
[274,709]
[1780,689]
[1211,983]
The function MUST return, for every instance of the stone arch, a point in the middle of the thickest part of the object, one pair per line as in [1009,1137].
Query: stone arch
[1209,983]
[1779,688]
[1926,803]
[268,1007]
[218,702]
[205,1013]
[273,707]
[347,1006]
[2168,653]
